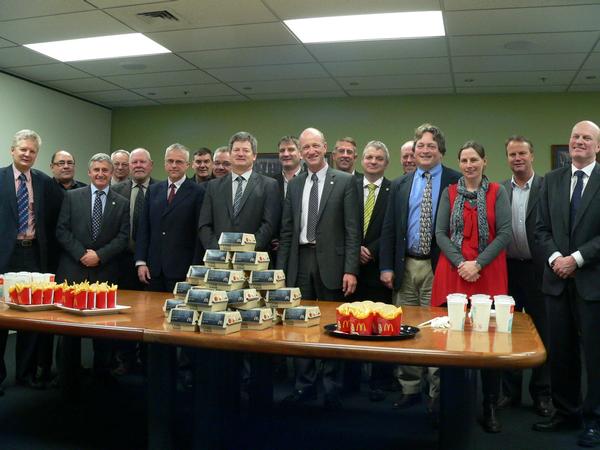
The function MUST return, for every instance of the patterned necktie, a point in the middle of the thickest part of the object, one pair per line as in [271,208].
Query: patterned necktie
[576,197]
[313,209]
[97,215]
[425,221]
[171,193]
[137,209]
[237,201]
[369,205]
[22,204]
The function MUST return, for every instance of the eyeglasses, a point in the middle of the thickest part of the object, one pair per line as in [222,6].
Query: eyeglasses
[64,163]
[177,162]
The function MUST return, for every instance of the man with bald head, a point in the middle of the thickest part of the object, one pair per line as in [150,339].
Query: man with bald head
[62,165]
[407,157]
[568,232]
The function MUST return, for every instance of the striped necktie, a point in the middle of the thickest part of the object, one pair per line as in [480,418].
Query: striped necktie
[369,205]
[237,201]
[22,204]
[97,215]
[137,209]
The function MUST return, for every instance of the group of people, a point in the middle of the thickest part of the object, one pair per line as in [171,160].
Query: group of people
[337,233]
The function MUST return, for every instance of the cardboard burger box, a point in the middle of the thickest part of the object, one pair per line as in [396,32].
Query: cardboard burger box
[221,322]
[197,275]
[243,299]
[170,304]
[284,298]
[217,259]
[206,299]
[303,316]
[237,242]
[257,318]
[267,279]
[250,260]
[225,280]
[180,290]
[183,319]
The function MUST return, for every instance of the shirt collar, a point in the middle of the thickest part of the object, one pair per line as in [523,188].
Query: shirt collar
[525,186]
[435,170]
[295,173]
[587,169]
[376,182]
[320,174]
[94,189]
[177,183]
[17,173]
[145,183]
[246,175]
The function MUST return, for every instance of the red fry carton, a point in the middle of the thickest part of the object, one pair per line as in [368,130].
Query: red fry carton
[111,299]
[68,294]
[37,294]
[361,325]
[24,295]
[48,294]
[13,294]
[388,327]
[342,317]
[80,299]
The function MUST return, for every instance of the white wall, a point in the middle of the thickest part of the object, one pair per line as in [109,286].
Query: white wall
[62,121]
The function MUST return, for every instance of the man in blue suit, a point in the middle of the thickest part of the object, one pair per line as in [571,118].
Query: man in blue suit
[167,239]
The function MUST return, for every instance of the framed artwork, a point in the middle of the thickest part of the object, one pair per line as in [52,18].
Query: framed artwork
[560,156]
[268,163]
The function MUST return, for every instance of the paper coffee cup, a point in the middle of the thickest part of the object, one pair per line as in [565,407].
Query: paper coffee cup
[505,308]
[457,311]
[481,305]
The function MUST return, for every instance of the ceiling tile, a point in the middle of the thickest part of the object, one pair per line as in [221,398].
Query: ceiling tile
[450,5]
[48,72]
[587,77]
[282,96]
[253,56]
[21,56]
[523,20]
[19,9]
[139,64]
[396,81]
[386,92]
[64,26]
[209,99]
[5,43]
[291,9]
[199,90]
[512,44]
[278,86]
[562,61]
[115,95]
[142,80]
[593,62]
[118,3]
[538,78]
[388,67]
[266,34]
[405,48]
[82,85]
[510,89]
[130,103]
[195,14]
[274,72]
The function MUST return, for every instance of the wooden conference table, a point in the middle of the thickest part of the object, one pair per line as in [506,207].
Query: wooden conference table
[456,352]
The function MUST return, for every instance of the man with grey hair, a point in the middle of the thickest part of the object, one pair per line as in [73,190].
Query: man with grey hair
[93,230]
[407,157]
[25,196]
[167,241]
[243,201]
[120,160]
[221,162]
[344,155]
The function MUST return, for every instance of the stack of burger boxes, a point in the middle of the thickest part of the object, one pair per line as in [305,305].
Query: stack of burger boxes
[233,290]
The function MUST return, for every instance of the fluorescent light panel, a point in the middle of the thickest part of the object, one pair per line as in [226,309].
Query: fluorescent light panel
[368,27]
[102,47]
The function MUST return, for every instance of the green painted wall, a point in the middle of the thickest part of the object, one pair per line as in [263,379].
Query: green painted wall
[545,118]
[62,121]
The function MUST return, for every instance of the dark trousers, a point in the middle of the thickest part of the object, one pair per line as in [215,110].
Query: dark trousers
[574,325]
[32,349]
[161,283]
[524,284]
[312,288]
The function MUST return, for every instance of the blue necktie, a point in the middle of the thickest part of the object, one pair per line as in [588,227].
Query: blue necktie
[576,197]
[97,215]
[313,209]
[22,204]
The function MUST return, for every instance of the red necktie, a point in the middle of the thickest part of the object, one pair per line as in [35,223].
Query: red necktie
[171,193]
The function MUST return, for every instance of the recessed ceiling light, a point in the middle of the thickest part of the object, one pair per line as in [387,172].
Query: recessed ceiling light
[469,80]
[132,66]
[368,27]
[354,83]
[590,77]
[247,88]
[102,47]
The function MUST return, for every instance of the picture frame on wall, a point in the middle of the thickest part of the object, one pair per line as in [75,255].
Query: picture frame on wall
[560,156]
[268,163]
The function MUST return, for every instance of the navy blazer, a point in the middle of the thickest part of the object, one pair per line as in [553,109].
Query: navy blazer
[167,238]
[394,233]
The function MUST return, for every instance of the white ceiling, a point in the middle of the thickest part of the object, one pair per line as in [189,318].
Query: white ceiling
[240,50]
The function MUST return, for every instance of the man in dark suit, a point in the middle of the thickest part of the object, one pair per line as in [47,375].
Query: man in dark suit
[62,165]
[344,155]
[243,201]
[291,162]
[93,230]
[408,251]
[25,194]
[568,233]
[525,268]
[319,248]
[167,242]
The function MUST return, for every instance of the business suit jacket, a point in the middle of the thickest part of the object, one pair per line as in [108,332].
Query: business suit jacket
[338,229]
[260,211]
[394,233]
[554,235]
[74,233]
[44,195]
[369,273]
[124,189]
[167,238]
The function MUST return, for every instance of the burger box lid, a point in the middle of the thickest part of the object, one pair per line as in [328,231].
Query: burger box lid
[284,297]
[217,259]
[225,280]
[221,322]
[184,319]
[171,303]
[206,299]
[250,260]
[243,298]
[304,316]
[257,318]
[180,289]
[267,279]
[237,242]
[196,275]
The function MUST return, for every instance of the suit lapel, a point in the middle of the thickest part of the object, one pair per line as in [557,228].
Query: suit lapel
[180,195]
[404,191]
[9,186]
[86,197]
[108,211]
[227,193]
[563,194]
[590,192]
[534,190]
[327,188]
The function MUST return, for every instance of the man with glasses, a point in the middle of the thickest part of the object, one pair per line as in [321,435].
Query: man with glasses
[62,166]
[120,160]
[221,162]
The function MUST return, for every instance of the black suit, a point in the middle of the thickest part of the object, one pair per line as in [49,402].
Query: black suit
[573,303]
[259,214]
[525,286]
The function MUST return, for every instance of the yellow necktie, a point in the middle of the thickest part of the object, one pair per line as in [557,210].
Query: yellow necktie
[369,205]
